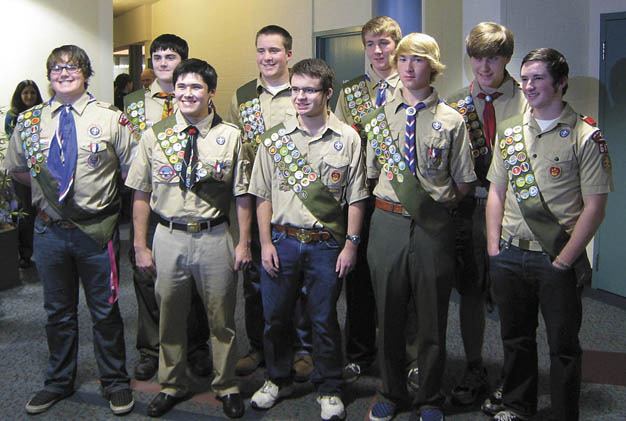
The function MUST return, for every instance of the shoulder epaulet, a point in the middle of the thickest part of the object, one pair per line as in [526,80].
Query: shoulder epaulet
[462,93]
[588,120]
[107,105]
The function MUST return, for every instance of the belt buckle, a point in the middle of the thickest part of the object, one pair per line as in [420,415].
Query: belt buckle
[303,236]
[193,227]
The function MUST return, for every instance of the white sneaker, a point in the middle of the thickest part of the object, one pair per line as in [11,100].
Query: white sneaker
[332,408]
[268,394]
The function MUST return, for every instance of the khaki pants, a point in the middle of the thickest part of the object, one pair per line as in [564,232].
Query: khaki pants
[206,258]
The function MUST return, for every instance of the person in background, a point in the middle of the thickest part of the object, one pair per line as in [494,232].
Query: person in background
[26,95]
[122,86]
[146,78]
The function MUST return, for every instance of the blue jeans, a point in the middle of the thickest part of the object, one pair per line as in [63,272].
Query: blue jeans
[63,257]
[524,282]
[312,266]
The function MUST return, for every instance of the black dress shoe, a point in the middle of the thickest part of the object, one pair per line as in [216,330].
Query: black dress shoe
[163,403]
[232,405]
[146,368]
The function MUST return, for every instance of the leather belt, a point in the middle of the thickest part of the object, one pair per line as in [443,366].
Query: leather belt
[194,226]
[302,234]
[528,245]
[61,223]
[391,207]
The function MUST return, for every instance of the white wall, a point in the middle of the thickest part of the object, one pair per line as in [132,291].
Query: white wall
[32,28]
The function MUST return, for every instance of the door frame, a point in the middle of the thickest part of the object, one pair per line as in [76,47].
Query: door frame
[321,36]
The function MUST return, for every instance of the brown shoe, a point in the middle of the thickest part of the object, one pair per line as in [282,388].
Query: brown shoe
[303,367]
[248,363]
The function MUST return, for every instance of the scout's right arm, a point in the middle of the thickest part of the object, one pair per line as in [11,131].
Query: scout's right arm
[494,214]
[233,112]
[15,161]
[140,179]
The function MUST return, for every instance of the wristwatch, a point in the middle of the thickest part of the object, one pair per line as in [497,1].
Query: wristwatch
[354,239]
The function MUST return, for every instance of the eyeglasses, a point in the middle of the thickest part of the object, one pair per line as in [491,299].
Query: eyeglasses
[57,69]
[306,91]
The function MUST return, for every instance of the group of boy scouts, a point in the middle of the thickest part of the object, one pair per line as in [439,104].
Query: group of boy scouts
[401,194]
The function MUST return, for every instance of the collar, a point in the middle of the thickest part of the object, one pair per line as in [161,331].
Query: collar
[155,88]
[332,123]
[431,101]
[509,87]
[262,86]
[79,105]
[568,117]
[204,125]
[373,77]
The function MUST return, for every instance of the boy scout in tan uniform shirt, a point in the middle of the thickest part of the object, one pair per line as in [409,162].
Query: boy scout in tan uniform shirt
[219,149]
[333,156]
[550,178]
[568,161]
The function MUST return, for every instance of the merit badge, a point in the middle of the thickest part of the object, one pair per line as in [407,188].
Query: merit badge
[166,172]
[564,133]
[338,145]
[335,176]
[436,125]
[220,140]
[555,172]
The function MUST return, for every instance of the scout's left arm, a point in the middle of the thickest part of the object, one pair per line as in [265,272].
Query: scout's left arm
[347,257]
[125,144]
[588,222]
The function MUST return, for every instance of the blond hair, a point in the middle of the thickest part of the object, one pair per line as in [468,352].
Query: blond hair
[421,45]
[382,25]
[489,39]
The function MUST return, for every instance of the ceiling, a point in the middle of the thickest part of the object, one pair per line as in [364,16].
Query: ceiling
[122,6]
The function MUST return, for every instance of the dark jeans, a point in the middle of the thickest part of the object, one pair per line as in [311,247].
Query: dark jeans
[311,265]
[148,310]
[360,304]
[405,262]
[524,282]
[254,307]
[64,256]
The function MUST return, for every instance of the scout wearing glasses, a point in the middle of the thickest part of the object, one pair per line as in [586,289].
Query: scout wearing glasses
[72,149]
[144,109]
[188,168]
[256,106]
[492,96]
[550,178]
[418,151]
[358,97]
[308,170]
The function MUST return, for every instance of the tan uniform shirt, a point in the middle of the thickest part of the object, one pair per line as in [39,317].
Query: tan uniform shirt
[154,105]
[275,108]
[100,127]
[373,81]
[567,164]
[335,156]
[442,149]
[219,150]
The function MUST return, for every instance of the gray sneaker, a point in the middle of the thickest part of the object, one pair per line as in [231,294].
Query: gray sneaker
[43,400]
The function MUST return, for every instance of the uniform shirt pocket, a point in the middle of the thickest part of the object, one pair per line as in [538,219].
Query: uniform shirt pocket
[94,154]
[334,173]
[434,155]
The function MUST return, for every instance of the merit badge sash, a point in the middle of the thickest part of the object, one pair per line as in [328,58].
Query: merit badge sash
[478,145]
[172,140]
[135,110]
[305,182]
[99,227]
[429,214]
[542,222]
[358,101]
[250,114]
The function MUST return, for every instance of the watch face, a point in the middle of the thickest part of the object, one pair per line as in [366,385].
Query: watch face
[355,239]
